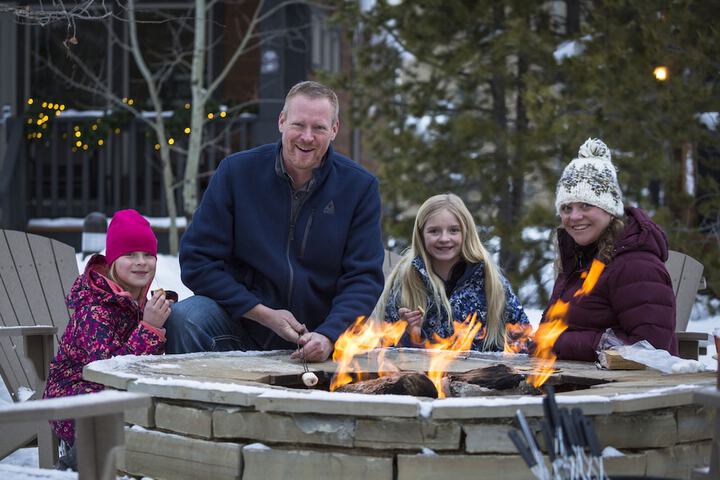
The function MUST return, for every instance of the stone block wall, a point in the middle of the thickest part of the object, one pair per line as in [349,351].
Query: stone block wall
[192,439]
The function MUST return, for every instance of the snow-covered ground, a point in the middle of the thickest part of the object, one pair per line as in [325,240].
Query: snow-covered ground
[168,277]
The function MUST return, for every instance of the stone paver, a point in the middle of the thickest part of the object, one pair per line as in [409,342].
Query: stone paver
[188,420]
[461,467]
[695,423]
[488,438]
[265,463]
[338,403]
[677,461]
[141,416]
[223,393]
[167,456]
[298,428]
[653,429]
[407,434]
[485,407]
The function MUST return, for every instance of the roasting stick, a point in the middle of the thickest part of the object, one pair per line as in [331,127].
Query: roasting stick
[562,466]
[530,439]
[527,455]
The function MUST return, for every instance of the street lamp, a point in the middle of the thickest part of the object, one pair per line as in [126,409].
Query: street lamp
[661,73]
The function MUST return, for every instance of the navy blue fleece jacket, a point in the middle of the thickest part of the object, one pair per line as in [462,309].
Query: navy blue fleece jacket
[241,248]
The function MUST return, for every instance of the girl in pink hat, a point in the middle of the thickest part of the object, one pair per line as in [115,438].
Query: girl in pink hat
[110,313]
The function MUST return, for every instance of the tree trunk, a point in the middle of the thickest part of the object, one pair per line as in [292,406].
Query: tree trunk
[197,112]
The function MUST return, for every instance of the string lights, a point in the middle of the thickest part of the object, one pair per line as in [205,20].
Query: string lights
[90,133]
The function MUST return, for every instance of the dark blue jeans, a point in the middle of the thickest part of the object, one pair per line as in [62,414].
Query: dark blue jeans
[199,324]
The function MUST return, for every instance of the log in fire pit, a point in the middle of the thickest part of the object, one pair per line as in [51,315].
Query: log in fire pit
[248,415]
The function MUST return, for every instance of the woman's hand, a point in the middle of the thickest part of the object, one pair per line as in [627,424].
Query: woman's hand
[415,321]
[157,310]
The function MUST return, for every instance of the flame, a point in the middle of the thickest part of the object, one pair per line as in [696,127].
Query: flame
[363,336]
[517,336]
[445,350]
[550,329]
[373,337]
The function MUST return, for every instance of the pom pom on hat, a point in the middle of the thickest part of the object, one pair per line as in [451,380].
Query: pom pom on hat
[129,232]
[591,178]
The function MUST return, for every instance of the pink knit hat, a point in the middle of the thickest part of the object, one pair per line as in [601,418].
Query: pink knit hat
[129,232]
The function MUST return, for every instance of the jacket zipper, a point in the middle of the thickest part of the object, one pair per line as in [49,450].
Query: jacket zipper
[293,219]
[307,233]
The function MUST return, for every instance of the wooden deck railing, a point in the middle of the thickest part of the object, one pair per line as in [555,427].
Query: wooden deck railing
[61,180]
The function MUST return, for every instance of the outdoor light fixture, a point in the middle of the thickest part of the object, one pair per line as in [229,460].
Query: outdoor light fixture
[661,73]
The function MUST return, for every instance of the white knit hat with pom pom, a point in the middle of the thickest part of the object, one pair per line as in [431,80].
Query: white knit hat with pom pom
[591,178]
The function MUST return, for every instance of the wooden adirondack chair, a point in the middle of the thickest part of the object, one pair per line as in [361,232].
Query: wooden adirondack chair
[391,259]
[99,426]
[35,275]
[687,279]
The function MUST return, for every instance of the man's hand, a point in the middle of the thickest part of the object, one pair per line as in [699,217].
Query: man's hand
[281,322]
[315,347]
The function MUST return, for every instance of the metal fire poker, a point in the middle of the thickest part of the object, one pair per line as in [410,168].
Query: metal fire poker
[567,435]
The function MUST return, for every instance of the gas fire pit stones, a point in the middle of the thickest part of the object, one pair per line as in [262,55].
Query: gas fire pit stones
[228,415]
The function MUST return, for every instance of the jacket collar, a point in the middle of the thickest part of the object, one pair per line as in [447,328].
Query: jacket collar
[319,174]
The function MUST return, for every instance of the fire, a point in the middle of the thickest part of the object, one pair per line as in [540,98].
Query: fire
[363,336]
[371,337]
[366,335]
[517,337]
[445,350]
[554,324]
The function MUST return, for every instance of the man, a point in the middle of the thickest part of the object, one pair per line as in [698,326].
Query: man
[285,249]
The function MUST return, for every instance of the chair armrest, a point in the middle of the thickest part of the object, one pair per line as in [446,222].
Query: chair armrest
[38,344]
[709,397]
[28,331]
[702,338]
[79,406]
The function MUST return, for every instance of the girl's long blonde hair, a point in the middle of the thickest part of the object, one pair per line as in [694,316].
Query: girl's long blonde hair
[405,277]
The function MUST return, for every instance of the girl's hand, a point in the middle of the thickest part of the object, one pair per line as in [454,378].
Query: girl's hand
[415,321]
[157,310]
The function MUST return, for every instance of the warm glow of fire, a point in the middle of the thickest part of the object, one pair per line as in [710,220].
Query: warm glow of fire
[363,336]
[445,350]
[517,336]
[554,324]
[545,337]
[366,335]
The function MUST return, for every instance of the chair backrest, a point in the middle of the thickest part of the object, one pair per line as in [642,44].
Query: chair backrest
[391,259]
[36,274]
[686,275]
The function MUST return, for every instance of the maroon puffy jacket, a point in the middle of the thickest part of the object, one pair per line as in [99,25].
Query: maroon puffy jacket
[633,296]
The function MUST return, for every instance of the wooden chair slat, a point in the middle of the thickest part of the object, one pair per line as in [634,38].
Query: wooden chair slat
[674,265]
[13,286]
[52,288]
[391,259]
[29,281]
[12,369]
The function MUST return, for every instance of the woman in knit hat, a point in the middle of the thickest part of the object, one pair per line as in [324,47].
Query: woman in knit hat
[110,313]
[633,295]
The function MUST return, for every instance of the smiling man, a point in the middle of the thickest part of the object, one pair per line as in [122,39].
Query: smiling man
[285,249]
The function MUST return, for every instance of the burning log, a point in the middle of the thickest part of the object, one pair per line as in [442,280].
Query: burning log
[496,377]
[402,383]
[489,381]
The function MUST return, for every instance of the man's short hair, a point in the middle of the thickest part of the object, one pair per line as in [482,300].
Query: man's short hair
[314,90]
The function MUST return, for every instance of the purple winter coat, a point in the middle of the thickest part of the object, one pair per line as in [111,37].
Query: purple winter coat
[633,296]
[106,322]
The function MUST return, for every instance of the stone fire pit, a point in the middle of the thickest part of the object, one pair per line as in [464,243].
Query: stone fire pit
[228,416]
